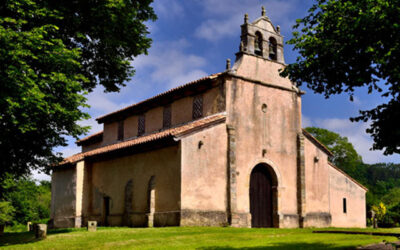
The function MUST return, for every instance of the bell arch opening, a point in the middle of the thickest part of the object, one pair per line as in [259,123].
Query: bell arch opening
[263,196]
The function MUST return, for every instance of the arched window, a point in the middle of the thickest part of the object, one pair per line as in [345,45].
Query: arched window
[272,49]
[258,48]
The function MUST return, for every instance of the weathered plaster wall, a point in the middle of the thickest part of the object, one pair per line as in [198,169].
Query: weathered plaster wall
[109,178]
[317,212]
[274,131]
[110,133]
[63,202]
[262,70]
[342,187]
[154,119]
[130,127]
[204,177]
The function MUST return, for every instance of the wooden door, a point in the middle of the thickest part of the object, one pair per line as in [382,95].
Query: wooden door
[261,197]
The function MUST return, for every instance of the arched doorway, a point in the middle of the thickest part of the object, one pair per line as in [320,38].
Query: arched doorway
[263,200]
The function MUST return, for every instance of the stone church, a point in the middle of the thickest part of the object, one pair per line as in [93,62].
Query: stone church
[226,149]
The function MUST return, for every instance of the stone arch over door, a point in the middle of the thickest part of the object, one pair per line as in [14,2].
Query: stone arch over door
[263,196]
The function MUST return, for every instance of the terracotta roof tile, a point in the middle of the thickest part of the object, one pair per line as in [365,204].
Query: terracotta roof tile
[213,76]
[176,131]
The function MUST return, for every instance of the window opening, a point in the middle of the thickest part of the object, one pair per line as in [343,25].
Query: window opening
[167,116]
[197,107]
[120,130]
[141,125]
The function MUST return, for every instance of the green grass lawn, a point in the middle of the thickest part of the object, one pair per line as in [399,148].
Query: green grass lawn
[189,238]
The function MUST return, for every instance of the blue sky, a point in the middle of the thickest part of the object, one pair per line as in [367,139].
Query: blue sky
[193,38]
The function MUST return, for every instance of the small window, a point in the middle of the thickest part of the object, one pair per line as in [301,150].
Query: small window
[120,130]
[344,205]
[141,125]
[167,116]
[272,49]
[197,107]
[258,41]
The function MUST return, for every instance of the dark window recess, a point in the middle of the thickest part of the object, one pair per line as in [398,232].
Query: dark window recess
[141,125]
[120,130]
[344,205]
[197,107]
[167,117]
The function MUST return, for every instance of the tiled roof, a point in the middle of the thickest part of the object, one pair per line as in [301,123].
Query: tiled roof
[87,138]
[348,176]
[173,132]
[318,143]
[210,77]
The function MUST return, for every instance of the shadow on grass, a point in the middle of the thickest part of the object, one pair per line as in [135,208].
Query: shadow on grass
[14,238]
[294,246]
[9,239]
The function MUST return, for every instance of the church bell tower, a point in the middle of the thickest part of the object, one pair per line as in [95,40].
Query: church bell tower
[262,39]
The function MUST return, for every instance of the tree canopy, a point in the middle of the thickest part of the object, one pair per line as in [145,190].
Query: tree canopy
[348,44]
[51,54]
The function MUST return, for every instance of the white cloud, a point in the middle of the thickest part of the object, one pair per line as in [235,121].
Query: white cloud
[356,134]
[213,29]
[305,122]
[168,9]
[226,16]
[168,64]
[40,176]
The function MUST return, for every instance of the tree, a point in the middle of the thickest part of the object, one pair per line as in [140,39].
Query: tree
[344,154]
[6,212]
[344,45]
[380,211]
[51,54]
[31,200]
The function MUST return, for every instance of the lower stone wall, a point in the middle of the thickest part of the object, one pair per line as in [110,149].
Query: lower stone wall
[318,220]
[241,220]
[191,217]
[288,221]
[63,222]
[137,219]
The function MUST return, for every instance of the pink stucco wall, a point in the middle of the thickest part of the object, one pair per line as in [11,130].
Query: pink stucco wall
[274,131]
[204,172]
[342,187]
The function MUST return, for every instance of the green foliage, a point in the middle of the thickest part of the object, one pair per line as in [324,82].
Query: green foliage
[380,211]
[6,212]
[348,44]
[51,54]
[30,200]
[345,156]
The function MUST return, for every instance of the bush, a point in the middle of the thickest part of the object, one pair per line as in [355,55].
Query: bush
[6,212]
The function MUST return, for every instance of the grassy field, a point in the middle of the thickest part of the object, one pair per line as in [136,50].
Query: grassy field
[189,238]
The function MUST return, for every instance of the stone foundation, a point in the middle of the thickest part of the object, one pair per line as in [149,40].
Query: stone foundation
[288,221]
[241,220]
[317,220]
[203,218]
